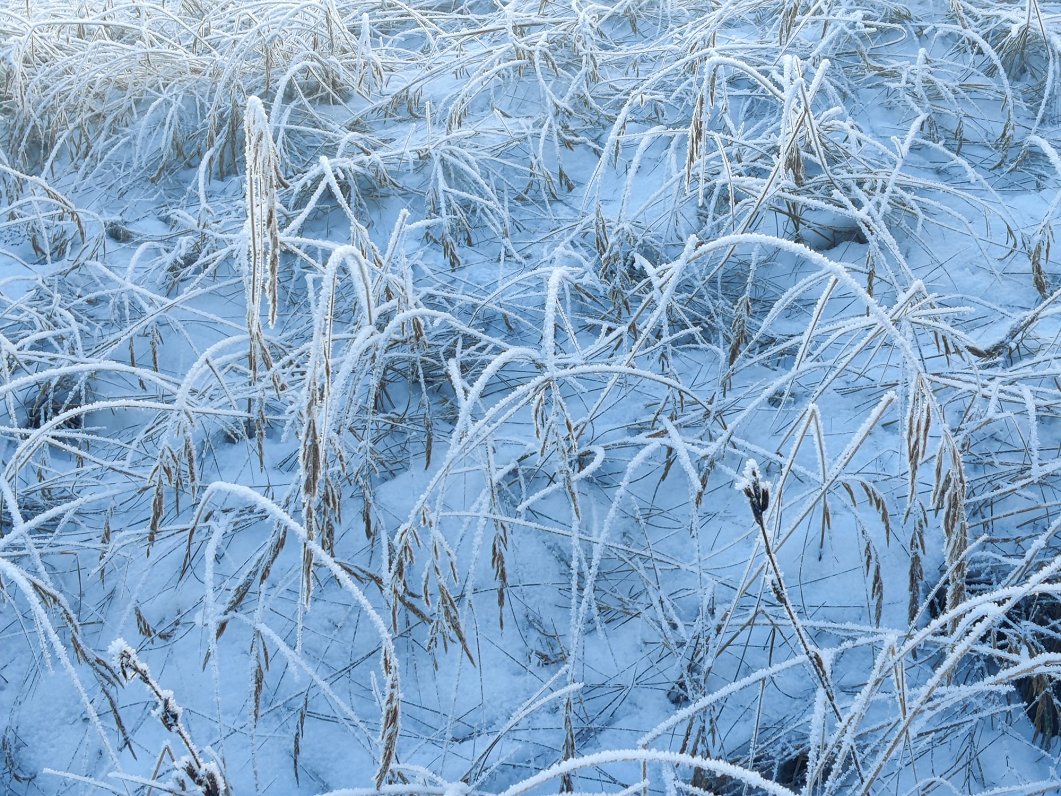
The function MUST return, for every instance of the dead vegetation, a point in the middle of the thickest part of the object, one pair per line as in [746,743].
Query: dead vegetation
[389,367]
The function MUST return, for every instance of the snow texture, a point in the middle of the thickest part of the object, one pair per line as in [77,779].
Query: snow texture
[458,397]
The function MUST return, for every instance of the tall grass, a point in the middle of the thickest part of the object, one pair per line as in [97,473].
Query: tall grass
[384,370]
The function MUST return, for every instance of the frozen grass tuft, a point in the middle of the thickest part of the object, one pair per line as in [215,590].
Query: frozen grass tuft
[385,370]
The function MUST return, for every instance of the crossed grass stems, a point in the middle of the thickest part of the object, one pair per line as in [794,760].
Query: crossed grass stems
[368,360]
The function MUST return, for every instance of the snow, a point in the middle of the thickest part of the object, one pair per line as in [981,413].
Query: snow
[382,388]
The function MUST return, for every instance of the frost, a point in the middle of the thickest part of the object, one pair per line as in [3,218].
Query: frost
[373,376]
[750,477]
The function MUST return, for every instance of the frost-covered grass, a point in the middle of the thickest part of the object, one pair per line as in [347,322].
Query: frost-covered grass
[381,372]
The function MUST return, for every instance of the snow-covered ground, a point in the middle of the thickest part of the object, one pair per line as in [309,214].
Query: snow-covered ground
[444,397]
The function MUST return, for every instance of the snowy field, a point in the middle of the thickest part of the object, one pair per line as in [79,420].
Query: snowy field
[457,397]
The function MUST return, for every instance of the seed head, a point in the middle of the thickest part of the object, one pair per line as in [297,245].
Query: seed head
[755,489]
[169,712]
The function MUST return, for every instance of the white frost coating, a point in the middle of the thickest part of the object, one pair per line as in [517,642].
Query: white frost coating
[750,475]
[1033,434]
[738,773]
[116,648]
[552,294]
[548,272]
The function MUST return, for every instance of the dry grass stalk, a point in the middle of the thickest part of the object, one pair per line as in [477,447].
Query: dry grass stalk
[194,770]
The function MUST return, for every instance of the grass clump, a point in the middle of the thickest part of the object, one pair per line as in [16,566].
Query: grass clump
[387,368]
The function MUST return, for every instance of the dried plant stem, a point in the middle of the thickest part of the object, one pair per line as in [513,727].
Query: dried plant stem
[758,493]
